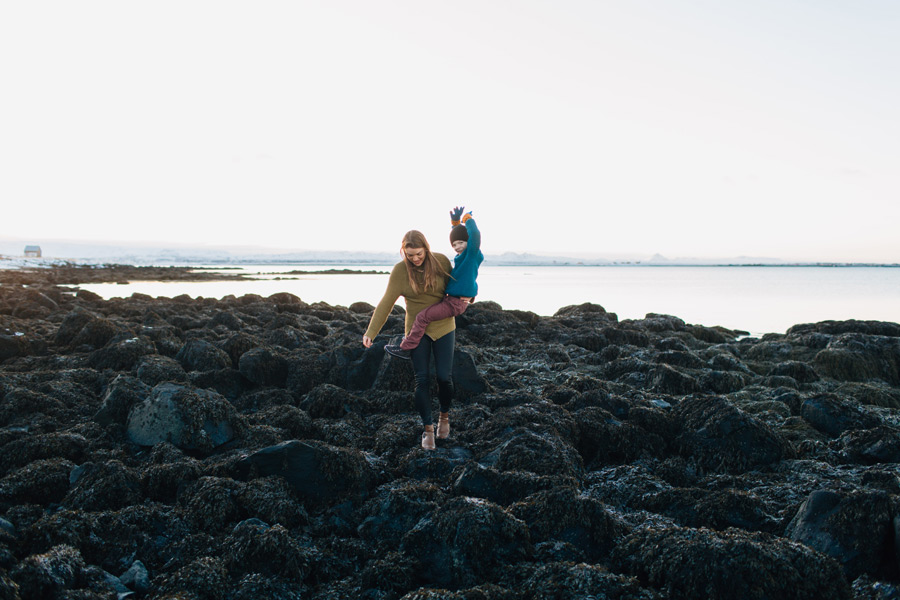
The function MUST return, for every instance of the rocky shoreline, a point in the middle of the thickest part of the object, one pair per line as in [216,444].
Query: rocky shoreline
[250,447]
[70,273]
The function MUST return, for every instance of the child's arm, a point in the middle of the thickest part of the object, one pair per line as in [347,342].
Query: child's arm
[474,244]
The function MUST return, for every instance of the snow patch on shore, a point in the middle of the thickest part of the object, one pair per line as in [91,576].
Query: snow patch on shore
[22,262]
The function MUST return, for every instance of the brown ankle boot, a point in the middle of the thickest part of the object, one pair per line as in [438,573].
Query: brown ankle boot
[428,439]
[443,429]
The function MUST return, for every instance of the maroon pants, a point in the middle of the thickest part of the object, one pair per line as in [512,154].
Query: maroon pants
[450,306]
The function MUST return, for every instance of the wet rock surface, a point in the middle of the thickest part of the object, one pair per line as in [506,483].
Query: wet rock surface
[250,447]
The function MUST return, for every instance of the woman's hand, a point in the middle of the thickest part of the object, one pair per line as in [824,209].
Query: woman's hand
[367,341]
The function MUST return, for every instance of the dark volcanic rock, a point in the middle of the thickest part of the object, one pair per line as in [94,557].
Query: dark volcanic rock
[562,580]
[699,563]
[123,393]
[833,416]
[40,482]
[158,369]
[858,357]
[872,446]
[464,540]
[262,366]
[718,436]
[23,451]
[192,419]
[122,353]
[798,371]
[244,448]
[542,454]
[200,355]
[504,487]
[857,530]
[718,509]
[82,328]
[316,470]
[606,440]
[564,515]
[106,486]
[396,509]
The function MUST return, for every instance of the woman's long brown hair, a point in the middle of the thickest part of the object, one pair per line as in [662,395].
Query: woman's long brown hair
[431,268]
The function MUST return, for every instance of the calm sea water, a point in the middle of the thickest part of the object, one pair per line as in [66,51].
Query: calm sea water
[754,299]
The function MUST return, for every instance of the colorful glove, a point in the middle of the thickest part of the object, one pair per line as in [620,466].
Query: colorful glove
[466,217]
[455,214]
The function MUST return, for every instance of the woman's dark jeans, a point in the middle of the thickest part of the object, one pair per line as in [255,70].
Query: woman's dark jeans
[442,349]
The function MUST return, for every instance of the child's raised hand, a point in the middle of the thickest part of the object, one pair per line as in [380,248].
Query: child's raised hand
[466,217]
[456,214]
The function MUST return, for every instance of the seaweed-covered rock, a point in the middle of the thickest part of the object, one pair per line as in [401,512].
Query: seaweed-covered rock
[122,352]
[74,322]
[122,394]
[255,547]
[156,369]
[796,370]
[315,470]
[60,573]
[329,401]
[103,486]
[872,446]
[22,451]
[542,454]
[95,332]
[464,541]
[833,416]
[205,578]
[871,394]
[15,345]
[855,529]
[566,580]
[732,565]
[721,437]
[504,487]
[858,357]
[648,458]
[562,514]
[606,440]
[39,482]
[669,380]
[200,355]
[192,419]
[467,381]
[262,366]
[396,508]
[714,509]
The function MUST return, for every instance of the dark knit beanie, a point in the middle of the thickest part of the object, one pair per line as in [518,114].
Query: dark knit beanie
[459,232]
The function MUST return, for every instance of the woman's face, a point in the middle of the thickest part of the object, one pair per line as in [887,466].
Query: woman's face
[415,255]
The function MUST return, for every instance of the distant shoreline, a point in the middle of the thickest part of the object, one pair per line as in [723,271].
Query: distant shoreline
[361,260]
[76,274]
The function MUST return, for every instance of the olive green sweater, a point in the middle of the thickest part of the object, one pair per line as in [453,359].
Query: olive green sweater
[398,285]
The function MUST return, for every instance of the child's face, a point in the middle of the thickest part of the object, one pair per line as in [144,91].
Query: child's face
[459,246]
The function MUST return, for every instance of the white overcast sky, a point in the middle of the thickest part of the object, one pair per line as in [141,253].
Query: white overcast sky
[691,128]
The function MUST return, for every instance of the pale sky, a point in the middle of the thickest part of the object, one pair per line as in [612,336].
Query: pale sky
[702,128]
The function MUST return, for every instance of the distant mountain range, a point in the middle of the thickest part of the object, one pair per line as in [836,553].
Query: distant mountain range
[191,255]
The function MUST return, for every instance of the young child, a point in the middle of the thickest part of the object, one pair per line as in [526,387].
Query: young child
[461,289]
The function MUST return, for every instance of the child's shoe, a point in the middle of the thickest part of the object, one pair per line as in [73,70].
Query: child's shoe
[443,429]
[428,440]
[396,350]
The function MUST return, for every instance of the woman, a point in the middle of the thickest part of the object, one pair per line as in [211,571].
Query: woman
[421,278]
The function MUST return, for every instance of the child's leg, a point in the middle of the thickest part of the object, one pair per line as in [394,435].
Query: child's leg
[450,306]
